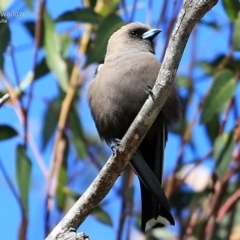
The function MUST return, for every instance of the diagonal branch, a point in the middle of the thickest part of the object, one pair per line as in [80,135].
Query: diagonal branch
[191,13]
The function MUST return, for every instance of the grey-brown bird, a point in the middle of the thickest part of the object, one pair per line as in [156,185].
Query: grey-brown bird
[116,95]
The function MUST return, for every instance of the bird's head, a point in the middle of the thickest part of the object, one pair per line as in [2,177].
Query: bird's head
[134,36]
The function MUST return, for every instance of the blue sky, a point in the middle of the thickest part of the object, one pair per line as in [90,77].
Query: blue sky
[209,43]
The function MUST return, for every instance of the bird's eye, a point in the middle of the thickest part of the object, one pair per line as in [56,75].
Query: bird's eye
[133,33]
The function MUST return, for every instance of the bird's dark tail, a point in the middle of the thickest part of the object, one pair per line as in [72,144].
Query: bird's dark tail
[148,165]
[154,215]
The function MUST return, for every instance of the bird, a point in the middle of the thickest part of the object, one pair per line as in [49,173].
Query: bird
[117,93]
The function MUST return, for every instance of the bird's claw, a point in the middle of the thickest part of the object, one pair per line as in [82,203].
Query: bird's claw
[115,146]
[150,93]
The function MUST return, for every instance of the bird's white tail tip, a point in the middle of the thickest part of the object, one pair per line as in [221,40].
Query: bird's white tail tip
[152,223]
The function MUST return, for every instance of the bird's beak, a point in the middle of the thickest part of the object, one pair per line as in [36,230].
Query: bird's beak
[151,34]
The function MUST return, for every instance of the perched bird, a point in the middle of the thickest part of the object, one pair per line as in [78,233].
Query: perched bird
[116,95]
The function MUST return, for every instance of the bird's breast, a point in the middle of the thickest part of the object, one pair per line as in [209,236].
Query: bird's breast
[118,92]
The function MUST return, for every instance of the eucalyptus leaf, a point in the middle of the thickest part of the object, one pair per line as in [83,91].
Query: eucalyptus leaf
[30,27]
[98,212]
[223,149]
[92,3]
[222,90]
[7,132]
[5,36]
[87,15]
[101,215]
[41,69]
[97,48]
[236,34]
[53,48]
[29,4]
[232,7]
[213,128]
[75,124]
[183,81]
[62,178]
[24,167]
[51,119]
[4,4]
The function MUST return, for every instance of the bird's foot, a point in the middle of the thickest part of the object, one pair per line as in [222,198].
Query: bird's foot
[150,93]
[115,146]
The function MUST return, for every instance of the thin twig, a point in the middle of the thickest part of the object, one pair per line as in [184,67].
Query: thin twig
[11,185]
[127,184]
[23,224]
[38,34]
[134,6]
[215,202]
[227,205]
[21,117]
[162,13]
[124,9]
[225,116]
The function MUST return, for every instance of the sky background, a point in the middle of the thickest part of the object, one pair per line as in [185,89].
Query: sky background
[210,43]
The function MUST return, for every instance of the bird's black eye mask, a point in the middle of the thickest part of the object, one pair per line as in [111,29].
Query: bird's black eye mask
[137,33]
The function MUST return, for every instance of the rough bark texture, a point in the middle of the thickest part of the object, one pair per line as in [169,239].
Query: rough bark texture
[191,13]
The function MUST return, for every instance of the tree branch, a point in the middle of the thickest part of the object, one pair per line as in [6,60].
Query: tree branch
[191,13]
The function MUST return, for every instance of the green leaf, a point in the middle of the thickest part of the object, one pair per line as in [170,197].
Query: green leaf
[236,34]
[70,65]
[212,24]
[60,195]
[26,82]
[75,196]
[41,69]
[7,132]
[86,15]
[101,215]
[237,209]
[29,4]
[62,178]
[222,229]
[4,4]
[213,128]
[209,66]
[23,175]
[183,81]
[5,36]
[181,199]
[65,41]
[232,7]
[223,148]
[51,119]
[222,90]
[97,49]
[75,124]
[111,7]
[98,212]
[80,146]
[92,3]
[53,49]
[30,27]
